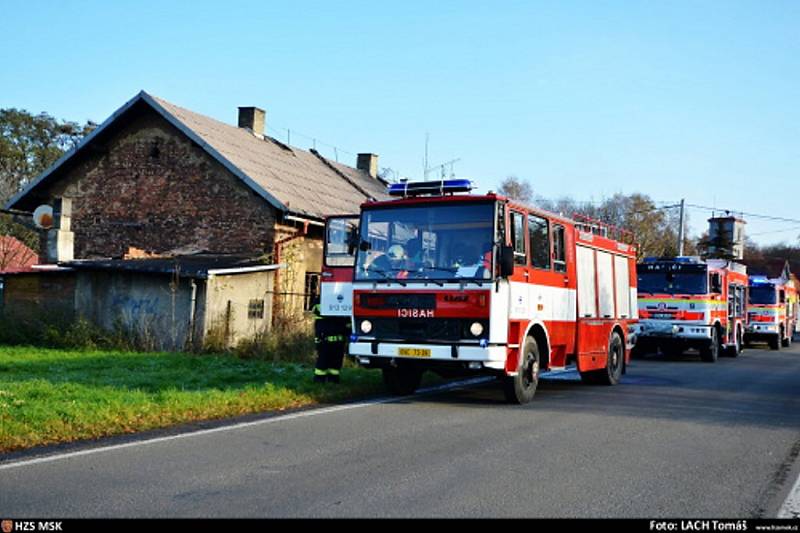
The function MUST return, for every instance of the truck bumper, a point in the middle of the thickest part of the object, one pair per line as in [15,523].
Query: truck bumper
[652,335]
[376,353]
[761,332]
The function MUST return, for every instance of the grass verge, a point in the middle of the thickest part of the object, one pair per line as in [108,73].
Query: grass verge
[52,396]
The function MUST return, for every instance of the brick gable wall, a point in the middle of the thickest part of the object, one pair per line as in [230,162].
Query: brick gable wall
[151,188]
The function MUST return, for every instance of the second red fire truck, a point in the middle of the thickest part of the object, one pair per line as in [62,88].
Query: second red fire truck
[454,282]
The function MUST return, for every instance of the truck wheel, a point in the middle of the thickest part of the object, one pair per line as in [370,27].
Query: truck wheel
[736,349]
[775,342]
[519,389]
[615,362]
[402,381]
[710,353]
[787,340]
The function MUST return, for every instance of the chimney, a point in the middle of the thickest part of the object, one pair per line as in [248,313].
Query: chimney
[368,163]
[60,239]
[253,119]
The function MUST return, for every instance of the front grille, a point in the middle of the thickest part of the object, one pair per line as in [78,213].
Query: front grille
[422,329]
[398,301]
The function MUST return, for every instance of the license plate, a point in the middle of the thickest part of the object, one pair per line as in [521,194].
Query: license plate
[414,352]
[659,328]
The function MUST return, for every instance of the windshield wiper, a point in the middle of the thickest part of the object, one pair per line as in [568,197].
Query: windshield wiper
[443,269]
[386,276]
[451,270]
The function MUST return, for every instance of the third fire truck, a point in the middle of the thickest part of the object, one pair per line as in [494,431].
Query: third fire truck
[771,311]
[449,281]
[685,302]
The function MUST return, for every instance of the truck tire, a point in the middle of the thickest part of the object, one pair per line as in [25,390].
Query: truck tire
[402,380]
[612,373]
[736,349]
[787,340]
[710,353]
[520,388]
[775,342]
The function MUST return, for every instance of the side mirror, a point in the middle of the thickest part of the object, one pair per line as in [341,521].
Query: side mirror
[364,246]
[352,243]
[506,261]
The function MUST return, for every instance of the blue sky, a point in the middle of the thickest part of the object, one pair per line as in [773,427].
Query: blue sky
[696,99]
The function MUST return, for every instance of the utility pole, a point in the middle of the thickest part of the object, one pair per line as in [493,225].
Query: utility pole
[681,230]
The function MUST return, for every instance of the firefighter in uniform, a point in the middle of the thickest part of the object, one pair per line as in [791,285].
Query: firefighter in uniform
[329,338]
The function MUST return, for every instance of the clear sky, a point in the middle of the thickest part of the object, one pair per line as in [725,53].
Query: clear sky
[676,99]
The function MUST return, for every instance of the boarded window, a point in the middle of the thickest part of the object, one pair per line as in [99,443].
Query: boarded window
[255,309]
[311,293]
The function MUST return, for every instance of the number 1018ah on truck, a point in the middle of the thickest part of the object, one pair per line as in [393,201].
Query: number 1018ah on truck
[459,283]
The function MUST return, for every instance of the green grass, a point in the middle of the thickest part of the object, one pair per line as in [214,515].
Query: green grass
[51,396]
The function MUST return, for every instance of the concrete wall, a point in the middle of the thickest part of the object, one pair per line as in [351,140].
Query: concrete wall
[47,296]
[226,305]
[155,309]
[301,256]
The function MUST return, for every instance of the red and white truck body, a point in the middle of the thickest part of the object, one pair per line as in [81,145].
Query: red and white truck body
[771,311]
[336,285]
[685,302]
[461,282]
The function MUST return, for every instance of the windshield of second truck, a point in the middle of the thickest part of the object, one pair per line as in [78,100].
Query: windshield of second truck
[673,282]
[763,295]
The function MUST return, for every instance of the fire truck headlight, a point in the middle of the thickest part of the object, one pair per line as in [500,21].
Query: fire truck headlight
[366,326]
[476,329]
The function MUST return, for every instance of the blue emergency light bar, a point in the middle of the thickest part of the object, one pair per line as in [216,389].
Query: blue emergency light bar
[759,280]
[433,188]
[686,259]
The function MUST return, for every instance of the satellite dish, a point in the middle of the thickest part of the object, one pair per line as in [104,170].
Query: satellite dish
[43,217]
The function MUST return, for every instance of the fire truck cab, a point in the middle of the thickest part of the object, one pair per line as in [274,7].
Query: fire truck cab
[685,302]
[771,311]
[459,283]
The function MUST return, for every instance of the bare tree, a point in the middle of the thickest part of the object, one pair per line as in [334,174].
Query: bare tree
[517,189]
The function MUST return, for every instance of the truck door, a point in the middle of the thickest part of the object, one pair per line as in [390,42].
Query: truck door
[339,253]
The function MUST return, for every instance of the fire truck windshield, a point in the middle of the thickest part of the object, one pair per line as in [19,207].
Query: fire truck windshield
[763,295]
[668,282]
[439,242]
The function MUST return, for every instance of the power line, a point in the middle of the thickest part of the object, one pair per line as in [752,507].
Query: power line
[795,228]
[745,214]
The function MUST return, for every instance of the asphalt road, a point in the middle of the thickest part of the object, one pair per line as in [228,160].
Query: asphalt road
[677,438]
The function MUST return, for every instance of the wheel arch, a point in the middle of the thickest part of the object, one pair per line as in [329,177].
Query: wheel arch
[538,331]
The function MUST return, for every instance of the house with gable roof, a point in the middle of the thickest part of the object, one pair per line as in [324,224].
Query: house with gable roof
[158,181]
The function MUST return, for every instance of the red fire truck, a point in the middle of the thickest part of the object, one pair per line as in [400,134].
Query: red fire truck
[685,302]
[771,311]
[453,282]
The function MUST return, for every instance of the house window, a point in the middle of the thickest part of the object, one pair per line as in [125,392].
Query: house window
[255,309]
[312,290]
